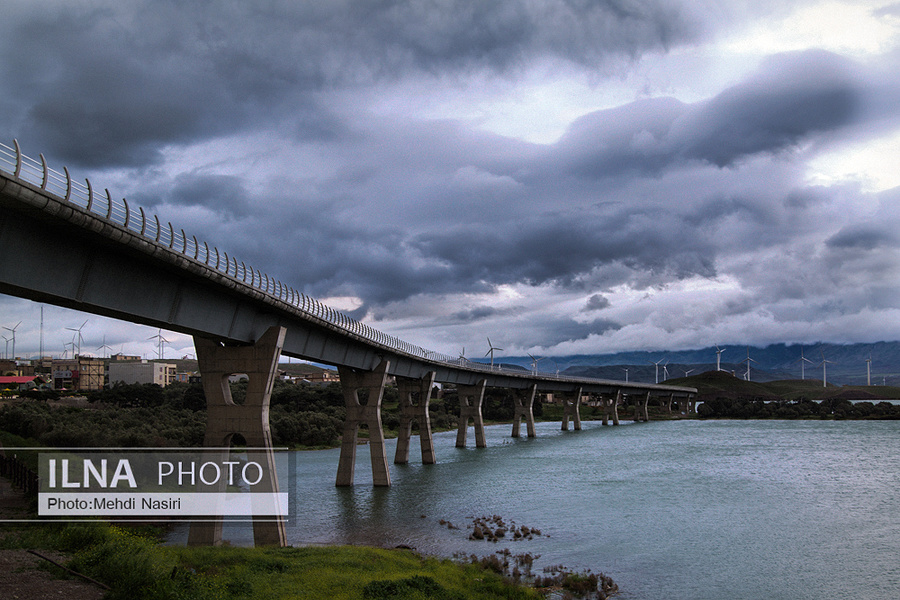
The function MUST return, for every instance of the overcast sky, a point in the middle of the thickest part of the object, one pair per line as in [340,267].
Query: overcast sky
[564,176]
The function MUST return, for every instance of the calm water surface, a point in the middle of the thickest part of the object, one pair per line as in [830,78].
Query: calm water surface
[718,510]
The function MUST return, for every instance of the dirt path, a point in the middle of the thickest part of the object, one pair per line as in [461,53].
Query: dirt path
[23,576]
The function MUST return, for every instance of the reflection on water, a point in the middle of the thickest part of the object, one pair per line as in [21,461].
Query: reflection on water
[693,509]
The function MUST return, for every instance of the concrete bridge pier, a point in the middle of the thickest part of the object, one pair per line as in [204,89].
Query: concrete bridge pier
[615,406]
[571,408]
[523,405]
[470,399]
[225,419]
[409,410]
[669,403]
[368,414]
[644,413]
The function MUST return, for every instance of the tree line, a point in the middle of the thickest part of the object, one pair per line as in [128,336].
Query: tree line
[837,408]
[147,415]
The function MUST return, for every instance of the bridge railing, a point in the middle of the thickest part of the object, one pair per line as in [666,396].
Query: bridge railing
[134,219]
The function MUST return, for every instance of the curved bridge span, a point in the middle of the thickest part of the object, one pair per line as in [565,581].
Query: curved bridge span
[68,245]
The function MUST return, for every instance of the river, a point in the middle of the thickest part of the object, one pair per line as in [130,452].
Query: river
[693,510]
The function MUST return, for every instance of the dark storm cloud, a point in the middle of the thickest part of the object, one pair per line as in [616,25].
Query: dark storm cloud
[792,97]
[863,237]
[596,302]
[552,331]
[440,208]
[474,314]
[223,193]
[113,84]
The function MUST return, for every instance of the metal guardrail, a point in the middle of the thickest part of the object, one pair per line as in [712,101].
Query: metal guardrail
[136,220]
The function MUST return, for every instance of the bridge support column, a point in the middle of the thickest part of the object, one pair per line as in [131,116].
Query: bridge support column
[669,403]
[615,407]
[571,408]
[368,414]
[470,399]
[250,419]
[644,411]
[523,405]
[409,410]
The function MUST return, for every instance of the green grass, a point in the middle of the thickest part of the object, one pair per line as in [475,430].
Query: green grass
[137,567]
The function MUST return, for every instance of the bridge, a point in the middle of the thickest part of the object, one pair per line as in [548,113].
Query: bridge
[70,245]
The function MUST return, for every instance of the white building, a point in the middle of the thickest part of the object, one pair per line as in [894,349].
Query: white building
[141,372]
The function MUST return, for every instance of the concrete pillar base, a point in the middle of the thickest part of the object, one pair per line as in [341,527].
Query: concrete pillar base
[368,414]
[250,419]
[571,408]
[523,405]
[409,410]
[470,399]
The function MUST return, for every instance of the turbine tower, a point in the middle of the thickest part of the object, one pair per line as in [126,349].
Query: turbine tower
[162,341]
[824,369]
[802,360]
[869,370]
[490,351]
[78,337]
[534,363]
[626,374]
[719,357]
[105,347]
[13,338]
[657,368]
[748,360]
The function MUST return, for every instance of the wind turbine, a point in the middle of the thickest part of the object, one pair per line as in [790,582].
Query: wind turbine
[490,351]
[626,374]
[657,368]
[748,360]
[13,338]
[869,370]
[534,362]
[802,360]
[666,371]
[6,355]
[688,372]
[104,347]
[78,337]
[162,341]
[719,357]
[824,362]
[462,356]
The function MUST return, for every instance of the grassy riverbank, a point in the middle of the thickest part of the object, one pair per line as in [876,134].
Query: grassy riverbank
[136,567]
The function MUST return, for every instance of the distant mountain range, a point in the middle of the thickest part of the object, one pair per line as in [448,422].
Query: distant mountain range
[846,363]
